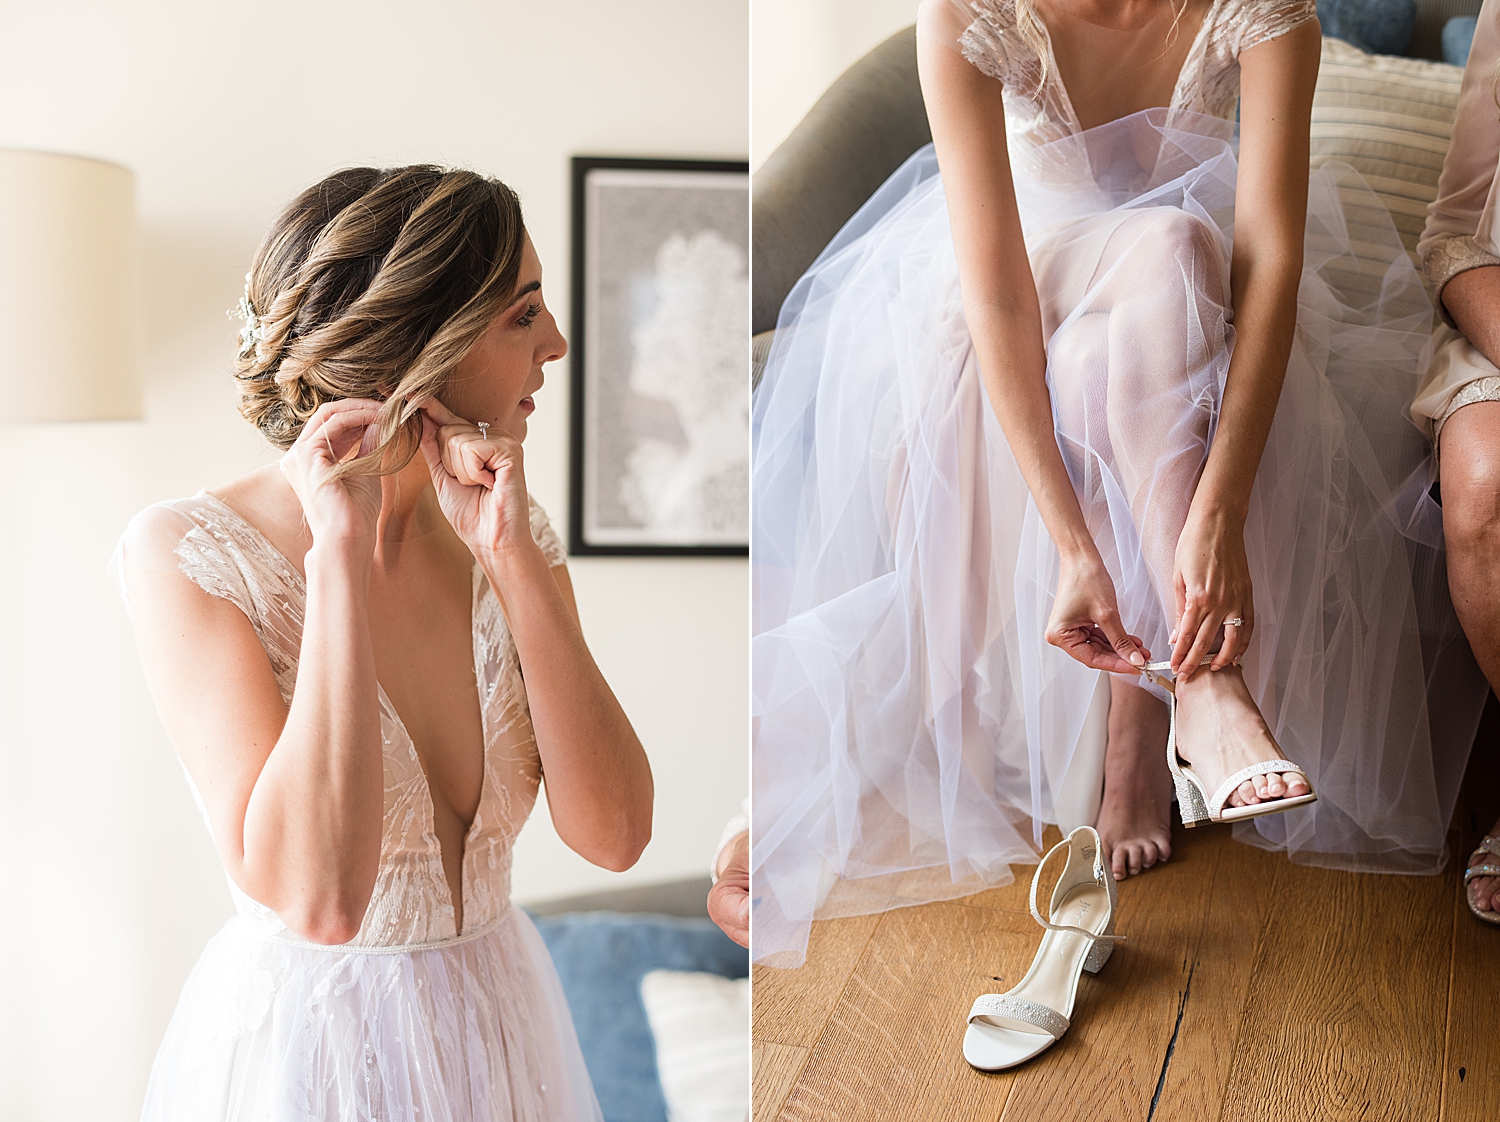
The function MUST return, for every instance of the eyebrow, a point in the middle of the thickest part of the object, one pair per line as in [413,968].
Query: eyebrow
[524,290]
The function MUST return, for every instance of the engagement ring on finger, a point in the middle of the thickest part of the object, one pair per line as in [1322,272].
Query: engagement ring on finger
[1235,622]
[484,429]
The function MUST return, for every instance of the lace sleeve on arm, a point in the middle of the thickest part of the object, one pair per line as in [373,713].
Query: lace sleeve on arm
[546,537]
[162,539]
[974,30]
[1253,22]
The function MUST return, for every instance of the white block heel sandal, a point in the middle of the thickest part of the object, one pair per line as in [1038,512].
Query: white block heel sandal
[1193,800]
[1006,1029]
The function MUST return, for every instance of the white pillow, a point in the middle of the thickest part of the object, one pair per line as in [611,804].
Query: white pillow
[701,1023]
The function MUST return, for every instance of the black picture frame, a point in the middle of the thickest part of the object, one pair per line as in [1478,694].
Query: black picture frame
[586,537]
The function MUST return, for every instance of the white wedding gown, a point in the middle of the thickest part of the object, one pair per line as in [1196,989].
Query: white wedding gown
[412,1020]
[914,731]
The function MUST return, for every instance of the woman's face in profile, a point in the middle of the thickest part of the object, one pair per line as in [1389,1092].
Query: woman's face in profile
[495,380]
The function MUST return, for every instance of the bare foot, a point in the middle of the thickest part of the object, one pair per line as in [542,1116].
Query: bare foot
[1135,818]
[1484,892]
[1220,731]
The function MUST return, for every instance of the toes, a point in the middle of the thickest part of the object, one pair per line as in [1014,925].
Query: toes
[1133,859]
[1295,784]
[1275,787]
[1245,794]
[1148,854]
[1262,787]
[1117,863]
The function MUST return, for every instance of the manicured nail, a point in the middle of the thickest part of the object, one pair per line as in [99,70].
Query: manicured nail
[1136,659]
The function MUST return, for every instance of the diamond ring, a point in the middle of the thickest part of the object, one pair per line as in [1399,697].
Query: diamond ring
[1235,622]
[484,429]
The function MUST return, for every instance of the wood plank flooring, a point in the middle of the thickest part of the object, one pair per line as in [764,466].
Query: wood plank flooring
[1248,988]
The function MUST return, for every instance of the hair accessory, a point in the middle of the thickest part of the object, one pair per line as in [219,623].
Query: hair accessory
[255,329]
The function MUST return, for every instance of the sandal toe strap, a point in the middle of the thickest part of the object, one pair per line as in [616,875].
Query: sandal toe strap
[1481,871]
[1010,1007]
[1489,845]
[1265,767]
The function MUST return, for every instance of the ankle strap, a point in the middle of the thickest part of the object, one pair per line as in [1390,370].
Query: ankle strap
[1154,673]
[1100,875]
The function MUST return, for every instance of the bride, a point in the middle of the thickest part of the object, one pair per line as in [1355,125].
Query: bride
[336,644]
[1085,394]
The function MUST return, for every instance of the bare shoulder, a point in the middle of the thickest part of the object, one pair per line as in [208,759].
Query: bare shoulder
[266,500]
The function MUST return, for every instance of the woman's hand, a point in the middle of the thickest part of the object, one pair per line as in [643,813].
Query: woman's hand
[1086,620]
[335,508]
[480,482]
[1212,582]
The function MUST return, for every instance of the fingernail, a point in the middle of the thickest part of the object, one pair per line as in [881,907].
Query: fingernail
[1136,659]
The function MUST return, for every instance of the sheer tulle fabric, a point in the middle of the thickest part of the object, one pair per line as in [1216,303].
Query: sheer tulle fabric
[914,731]
[475,1030]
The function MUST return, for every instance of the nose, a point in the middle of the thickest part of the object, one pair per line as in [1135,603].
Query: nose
[552,346]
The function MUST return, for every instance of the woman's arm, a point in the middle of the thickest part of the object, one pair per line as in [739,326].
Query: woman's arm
[294,795]
[599,788]
[1212,579]
[1004,319]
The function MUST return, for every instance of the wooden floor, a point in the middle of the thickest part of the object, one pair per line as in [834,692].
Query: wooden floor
[1247,988]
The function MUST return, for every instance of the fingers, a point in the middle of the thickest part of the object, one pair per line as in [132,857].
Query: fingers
[1236,640]
[1127,647]
[1202,642]
[1089,646]
[441,413]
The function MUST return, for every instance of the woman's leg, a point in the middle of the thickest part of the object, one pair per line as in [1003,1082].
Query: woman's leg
[1135,817]
[1470,454]
[1159,350]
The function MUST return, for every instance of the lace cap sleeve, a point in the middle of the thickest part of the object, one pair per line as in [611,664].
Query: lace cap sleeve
[165,538]
[1253,22]
[979,30]
[546,537]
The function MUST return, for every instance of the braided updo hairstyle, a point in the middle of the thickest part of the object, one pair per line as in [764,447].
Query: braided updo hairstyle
[374,283]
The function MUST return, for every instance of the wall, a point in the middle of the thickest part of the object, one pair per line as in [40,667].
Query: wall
[798,47]
[109,886]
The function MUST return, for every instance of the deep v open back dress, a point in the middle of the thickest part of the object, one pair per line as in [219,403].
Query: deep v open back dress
[914,732]
[412,1019]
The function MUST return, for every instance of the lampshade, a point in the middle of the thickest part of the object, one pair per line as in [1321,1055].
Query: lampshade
[70,321]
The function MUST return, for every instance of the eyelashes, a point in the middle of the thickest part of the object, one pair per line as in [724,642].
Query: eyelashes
[527,318]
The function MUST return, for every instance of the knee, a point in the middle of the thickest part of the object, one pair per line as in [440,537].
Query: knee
[1471,497]
[1170,245]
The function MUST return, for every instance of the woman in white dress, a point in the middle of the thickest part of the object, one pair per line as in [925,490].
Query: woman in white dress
[1458,403]
[1083,386]
[336,644]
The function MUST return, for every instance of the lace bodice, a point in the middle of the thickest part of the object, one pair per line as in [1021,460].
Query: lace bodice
[1037,108]
[411,905]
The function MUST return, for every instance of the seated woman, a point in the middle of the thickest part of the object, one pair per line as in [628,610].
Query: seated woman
[1081,387]
[1458,403]
[336,643]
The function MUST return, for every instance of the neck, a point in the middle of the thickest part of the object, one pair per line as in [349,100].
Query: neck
[408,506]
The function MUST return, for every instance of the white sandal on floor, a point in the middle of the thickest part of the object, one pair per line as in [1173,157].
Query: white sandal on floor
[1490,845]
[1006,1029]
[1193,801]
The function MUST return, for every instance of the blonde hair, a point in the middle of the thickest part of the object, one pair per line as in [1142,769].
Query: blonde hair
[375,283]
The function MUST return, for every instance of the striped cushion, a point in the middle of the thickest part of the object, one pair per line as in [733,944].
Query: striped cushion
[1390,119]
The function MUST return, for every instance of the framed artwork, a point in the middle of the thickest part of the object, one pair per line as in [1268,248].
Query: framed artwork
[660,351]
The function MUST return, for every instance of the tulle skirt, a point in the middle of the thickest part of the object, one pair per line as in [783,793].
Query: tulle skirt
[914,732]
[473,1031]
